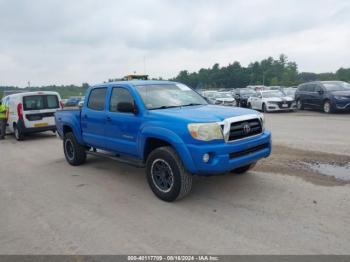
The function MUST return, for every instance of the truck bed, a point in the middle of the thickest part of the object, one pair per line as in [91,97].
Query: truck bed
[69,118]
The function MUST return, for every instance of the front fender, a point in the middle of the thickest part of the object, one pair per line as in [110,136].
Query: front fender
[173,139]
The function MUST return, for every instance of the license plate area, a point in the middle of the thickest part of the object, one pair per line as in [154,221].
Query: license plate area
[41,124]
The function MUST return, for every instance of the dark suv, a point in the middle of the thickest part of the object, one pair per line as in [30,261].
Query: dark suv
[242,95]
[329,96]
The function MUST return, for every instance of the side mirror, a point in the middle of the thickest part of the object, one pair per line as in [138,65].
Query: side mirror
[127,107]
[321,92]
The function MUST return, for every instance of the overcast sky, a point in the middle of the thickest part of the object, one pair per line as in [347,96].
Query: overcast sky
[66,41]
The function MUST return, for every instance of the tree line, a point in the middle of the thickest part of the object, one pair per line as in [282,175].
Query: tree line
[269,72]
[65,91]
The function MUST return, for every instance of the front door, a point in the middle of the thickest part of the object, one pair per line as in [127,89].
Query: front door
[317,96]
[122,128]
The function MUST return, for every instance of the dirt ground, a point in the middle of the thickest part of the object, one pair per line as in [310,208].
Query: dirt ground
[282,206]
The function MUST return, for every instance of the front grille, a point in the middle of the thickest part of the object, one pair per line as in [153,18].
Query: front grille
[246,128]
[39,116]
[249,151]
[280,104]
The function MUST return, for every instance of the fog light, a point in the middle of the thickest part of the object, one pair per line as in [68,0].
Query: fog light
[206,158]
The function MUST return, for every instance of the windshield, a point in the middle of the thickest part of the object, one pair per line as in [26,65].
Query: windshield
[272,94]
[289,92]
[337,86]
[169,95]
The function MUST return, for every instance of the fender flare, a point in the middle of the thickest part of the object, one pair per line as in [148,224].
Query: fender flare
[170,137]
[76,132]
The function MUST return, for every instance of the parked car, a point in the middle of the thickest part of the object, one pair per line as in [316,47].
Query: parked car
[242,95]
[209,96]
[64,101]
[289,91]
[224,99]
[329,96]
[167,128]
[73,101]
[257,87]
[32,112]
[271,100]
[81,102]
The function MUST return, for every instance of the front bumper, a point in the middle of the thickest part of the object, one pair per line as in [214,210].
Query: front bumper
[276,107]
[225,157]
[342,104]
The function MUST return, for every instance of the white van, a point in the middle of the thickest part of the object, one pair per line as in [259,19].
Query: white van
[32,112]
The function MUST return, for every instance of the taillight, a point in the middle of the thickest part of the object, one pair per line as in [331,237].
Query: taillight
[20,111]
[61,104]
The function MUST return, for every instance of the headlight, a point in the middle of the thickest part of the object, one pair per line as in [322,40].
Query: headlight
[262,119]
[341,97]
[205,131]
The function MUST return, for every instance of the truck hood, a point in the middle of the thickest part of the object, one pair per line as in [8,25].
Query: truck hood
[203,113]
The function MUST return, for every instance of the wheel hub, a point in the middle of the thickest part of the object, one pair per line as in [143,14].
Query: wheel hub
[69,149]
[162,175]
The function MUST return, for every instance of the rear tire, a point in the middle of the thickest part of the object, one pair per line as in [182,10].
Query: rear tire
[75,154]
[18,134]
[166,174]
[243,169]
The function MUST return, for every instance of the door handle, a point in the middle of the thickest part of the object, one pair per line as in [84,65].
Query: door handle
[85,116]
[109,119]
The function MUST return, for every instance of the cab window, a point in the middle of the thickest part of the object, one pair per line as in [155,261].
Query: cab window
[119,95]
[97,99]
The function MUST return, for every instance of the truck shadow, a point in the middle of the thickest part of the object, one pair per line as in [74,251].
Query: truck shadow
[220,187]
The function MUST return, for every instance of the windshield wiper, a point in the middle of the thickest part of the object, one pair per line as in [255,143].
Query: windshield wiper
[162,107]
[193,104]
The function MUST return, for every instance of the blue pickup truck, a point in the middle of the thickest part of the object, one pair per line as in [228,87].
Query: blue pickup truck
[166,127]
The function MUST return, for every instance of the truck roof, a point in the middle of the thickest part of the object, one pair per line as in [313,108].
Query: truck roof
[136,83]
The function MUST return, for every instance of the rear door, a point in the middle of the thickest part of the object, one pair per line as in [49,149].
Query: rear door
[121,128]
[39,110]
[307,94]
[93,118]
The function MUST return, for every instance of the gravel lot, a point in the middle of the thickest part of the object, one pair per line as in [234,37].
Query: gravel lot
[103,207]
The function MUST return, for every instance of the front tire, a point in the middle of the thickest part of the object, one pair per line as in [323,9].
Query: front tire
[300,105]
[75,154]
[166,174]
[327,107]
[264,109]
[243,169]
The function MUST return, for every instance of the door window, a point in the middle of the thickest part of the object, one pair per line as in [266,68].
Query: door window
[97,99]
[119,95]
[318,88]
